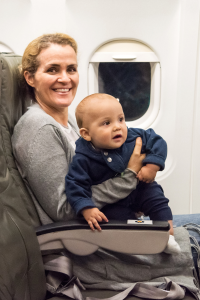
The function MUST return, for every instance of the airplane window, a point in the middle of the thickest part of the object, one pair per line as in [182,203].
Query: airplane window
[130,82]
[131,71]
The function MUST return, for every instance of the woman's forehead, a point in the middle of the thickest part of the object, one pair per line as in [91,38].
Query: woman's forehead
[57,54]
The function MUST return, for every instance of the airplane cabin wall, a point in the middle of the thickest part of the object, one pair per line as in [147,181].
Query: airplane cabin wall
[195,165]
[170,28]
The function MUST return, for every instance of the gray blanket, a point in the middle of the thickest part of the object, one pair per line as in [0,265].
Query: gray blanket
[116,271]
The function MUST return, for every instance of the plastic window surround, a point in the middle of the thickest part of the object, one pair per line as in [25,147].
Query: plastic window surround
[5,48]
[142,54]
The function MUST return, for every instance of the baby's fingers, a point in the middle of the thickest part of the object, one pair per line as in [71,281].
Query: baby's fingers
[103,217]
[140,176]
[96,224]
[91,225]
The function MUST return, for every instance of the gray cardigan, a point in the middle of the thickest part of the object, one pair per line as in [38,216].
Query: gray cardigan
[43,155]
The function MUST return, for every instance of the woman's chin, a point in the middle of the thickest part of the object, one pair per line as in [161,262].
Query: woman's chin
[63,102]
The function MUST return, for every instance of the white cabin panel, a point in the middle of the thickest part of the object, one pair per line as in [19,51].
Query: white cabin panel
[195,157]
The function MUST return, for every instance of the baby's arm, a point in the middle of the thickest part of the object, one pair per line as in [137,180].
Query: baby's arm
[148,173]
[78,190]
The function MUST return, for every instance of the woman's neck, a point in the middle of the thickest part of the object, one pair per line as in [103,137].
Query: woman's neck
[60,115]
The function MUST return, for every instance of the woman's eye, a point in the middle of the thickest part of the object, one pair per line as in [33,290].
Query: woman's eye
[51,70]
[72,69]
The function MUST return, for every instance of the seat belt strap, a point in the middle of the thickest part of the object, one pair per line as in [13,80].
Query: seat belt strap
[60,280]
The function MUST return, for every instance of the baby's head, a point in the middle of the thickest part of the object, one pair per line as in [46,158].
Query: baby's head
[101,120]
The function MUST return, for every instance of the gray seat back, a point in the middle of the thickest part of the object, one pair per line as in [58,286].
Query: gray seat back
[21,269]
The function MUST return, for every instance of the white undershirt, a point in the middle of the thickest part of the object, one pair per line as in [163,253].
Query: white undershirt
[70,133]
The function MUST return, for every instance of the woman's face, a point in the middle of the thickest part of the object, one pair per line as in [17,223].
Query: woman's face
[56,79]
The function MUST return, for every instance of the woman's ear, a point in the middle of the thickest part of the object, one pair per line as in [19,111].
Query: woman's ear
[85,134]
[29,78]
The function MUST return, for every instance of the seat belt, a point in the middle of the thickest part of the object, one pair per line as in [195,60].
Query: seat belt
[194,245]
[60,280]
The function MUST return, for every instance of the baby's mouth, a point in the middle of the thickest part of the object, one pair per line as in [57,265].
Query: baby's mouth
[117,136]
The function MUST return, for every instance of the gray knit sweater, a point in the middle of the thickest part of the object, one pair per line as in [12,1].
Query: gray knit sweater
[43,155]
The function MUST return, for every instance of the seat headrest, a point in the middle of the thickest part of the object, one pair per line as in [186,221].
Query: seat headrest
[13,103]
[13,99]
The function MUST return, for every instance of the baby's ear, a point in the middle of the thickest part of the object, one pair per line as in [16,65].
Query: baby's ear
[85,134]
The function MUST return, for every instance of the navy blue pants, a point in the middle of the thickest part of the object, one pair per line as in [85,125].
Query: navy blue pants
[148,198]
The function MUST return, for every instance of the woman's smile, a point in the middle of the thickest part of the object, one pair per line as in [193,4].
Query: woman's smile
[62,91]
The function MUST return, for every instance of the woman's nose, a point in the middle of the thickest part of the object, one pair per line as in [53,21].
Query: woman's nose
[64,77]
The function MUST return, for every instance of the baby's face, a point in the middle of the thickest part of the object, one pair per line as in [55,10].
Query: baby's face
[107,127]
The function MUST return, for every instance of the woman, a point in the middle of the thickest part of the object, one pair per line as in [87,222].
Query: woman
[44,138]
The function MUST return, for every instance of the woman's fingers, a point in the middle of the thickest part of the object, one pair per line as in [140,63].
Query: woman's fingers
[135,162]
[142,156]
[138,146]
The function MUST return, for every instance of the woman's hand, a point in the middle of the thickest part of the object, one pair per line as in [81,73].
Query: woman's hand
[135,162]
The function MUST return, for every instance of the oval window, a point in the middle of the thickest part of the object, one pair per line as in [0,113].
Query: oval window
[129,71]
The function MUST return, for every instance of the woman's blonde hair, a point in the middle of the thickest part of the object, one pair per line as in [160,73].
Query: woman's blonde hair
[30,60]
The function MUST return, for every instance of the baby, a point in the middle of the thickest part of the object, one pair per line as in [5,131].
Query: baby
[103,151]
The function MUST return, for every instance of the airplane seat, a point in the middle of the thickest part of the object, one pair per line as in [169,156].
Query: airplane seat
[22,275]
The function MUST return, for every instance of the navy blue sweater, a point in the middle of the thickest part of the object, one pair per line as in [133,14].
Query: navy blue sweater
[90,167]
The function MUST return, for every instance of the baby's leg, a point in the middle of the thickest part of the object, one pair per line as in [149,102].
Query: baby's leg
[152,201]
[120,210]
[171,231]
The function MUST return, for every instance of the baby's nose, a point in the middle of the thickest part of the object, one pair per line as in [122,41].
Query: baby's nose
[117,127]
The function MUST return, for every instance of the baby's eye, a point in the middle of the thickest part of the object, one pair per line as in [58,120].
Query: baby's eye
[121,119]
[106,123]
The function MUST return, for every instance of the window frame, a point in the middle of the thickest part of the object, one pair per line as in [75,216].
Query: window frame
[150,115]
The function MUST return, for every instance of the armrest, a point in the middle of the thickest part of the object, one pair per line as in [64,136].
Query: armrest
[134,237]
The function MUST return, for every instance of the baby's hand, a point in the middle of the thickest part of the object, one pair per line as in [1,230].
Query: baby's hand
[148,173]
[92,215]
